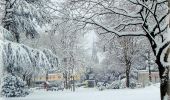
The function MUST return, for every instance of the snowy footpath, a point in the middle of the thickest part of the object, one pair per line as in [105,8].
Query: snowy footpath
[148,93]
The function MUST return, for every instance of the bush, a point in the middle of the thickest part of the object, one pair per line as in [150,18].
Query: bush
[132,85]
[13,86]
[101,88]
[114,85]
[123,83]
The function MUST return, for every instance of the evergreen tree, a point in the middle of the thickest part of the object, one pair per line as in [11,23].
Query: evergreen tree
[13,86]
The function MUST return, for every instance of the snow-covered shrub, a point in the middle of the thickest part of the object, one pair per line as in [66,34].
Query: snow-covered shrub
[114,85]
[123,83]
[133,83]
[101,88]
[13,86]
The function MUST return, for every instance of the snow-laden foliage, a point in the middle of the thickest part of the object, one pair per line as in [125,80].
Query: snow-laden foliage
[5,34]
[114,85]
[13,86]
[23,59]
[23,16]
[121,84]
[53,59]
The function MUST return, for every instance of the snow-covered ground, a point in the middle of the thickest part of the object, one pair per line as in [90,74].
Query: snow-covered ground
[148,93]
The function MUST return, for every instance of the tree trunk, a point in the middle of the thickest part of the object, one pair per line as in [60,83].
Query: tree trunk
[24,77]
[164,77]
[169,11]
[28,82]
[168,84]
[65,75]
[168,89]
[127,79]
[73,84]
[127,76]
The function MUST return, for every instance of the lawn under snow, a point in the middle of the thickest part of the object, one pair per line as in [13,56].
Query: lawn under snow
[148,93]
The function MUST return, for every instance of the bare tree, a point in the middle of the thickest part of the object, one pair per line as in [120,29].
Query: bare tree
[126,55]
[148,15]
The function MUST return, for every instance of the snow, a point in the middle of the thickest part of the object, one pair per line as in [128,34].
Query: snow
[148,93]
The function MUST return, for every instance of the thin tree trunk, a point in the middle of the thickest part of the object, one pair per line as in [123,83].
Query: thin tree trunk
[66,84]
[73,84]
[127,79]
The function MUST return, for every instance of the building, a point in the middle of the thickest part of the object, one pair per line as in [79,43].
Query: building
[58,77]
[51,77]
[143,77]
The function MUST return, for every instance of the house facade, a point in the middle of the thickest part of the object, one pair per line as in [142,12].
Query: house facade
[54,77]
[143,77]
